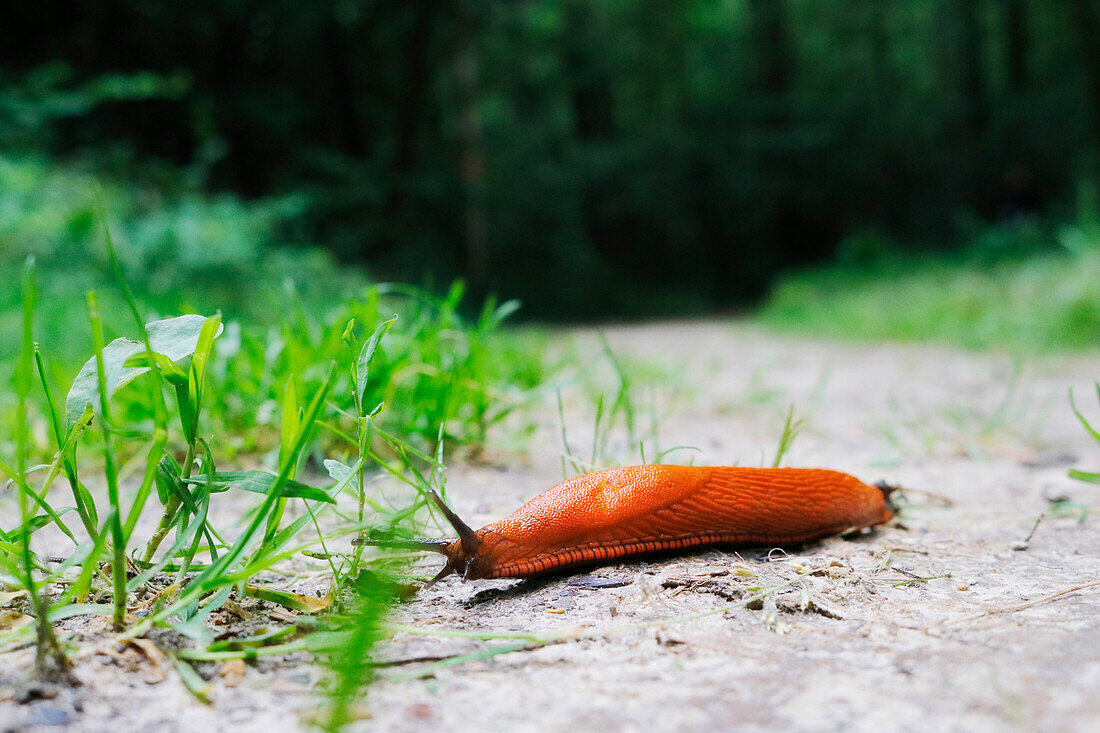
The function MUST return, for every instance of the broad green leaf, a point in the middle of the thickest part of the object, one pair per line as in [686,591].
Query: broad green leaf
[261,482]
[337,470]
[175,338]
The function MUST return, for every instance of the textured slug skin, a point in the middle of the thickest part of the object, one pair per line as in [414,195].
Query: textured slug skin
[638,509]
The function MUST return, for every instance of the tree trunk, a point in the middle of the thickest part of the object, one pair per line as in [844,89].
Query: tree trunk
[1087,21]
[593,123]
[771,46]
[351,132]
[411,104]
[471,157]
[1016,45]
[590,88]
[974,107]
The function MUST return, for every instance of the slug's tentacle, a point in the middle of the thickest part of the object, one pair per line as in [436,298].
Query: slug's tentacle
[466,534]
[447,570]
[461,553]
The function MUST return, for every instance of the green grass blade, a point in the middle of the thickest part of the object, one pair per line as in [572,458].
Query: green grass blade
[261,482]
[110,469]
[791,429]
[287,434]
[350,658]
[50,661]
[1091,430]
[84,506]
[25,491]
[82,585]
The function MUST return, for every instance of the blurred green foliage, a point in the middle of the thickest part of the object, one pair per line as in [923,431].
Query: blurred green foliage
[1023,286]
[182,251]
[593,158]
[445,364]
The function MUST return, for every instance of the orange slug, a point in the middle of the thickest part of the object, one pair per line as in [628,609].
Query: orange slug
[635,510]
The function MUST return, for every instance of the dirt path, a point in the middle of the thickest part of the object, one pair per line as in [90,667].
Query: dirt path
[944,620]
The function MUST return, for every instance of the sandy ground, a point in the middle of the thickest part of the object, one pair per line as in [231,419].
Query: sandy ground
[946,619]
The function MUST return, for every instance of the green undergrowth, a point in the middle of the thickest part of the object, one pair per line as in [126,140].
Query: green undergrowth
[184,251]
[284,312]
[1018,288]
[116,467]
[438,370]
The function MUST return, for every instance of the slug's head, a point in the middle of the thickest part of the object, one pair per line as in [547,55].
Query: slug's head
[461,552]
[889,508]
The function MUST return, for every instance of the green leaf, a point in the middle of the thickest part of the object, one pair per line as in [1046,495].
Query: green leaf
[506,309]
[348,337]
[80,609]
[293,601]
[30,493]
[172,373]
[89,502]
[196,377]
[1092,478]
[34,523]
[290,530]
[265,638]
[195,684]
[261,482]
[291,420]
[175,338]
[169,483]
[337,470]
[211,328]
[183,401]
[366,355]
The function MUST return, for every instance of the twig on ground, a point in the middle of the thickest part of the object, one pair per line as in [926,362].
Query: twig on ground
[1020,606]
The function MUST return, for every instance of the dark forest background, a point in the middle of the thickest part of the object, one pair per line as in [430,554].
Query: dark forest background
[592,158]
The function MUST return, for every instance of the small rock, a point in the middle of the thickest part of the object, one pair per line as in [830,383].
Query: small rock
[232,672]
[48,716]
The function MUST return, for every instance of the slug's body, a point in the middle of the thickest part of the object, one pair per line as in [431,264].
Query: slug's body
[635,510]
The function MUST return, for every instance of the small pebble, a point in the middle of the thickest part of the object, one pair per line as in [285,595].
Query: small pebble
[47,716]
